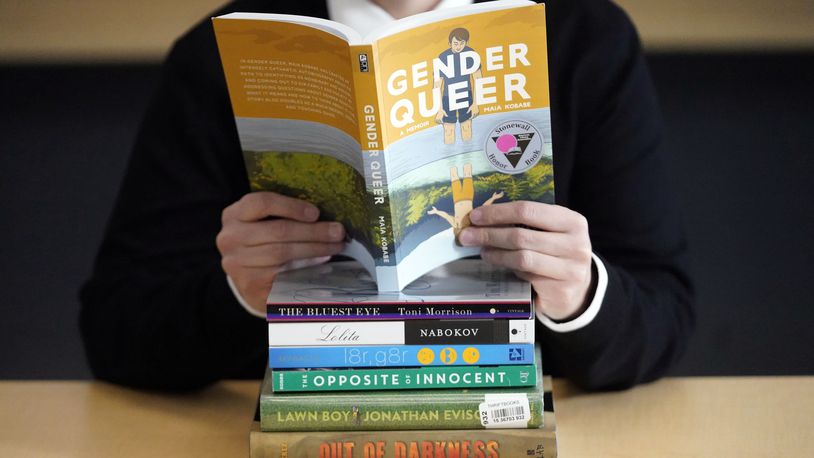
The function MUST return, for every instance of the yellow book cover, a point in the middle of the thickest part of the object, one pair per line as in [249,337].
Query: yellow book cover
[400,134]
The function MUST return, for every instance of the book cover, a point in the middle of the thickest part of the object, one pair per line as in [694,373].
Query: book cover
[401,378]
[398,135]
[399,355]
[463,289]
[476,408]
[408,332]
[491,443]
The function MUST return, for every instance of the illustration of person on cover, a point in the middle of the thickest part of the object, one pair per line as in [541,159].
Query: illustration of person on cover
[463,194]
[462,94]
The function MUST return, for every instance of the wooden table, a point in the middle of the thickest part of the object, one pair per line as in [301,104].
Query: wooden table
[705,416]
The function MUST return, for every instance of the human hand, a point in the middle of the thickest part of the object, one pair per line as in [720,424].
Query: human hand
[552,251]
[439,118]
[434,211]
[474,110]
[254,250]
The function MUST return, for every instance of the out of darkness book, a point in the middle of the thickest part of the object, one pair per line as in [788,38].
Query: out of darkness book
[489,443]
[398,135]
[477,408]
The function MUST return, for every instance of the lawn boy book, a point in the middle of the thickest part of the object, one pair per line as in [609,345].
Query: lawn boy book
[488,443]
[400,134]
[475,408]
[466,289]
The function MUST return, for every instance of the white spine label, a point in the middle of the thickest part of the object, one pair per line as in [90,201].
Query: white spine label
[336,333]
[505,411]
[521,331]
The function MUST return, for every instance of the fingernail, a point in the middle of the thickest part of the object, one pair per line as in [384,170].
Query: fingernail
[311,213]
[466,237]
[336,231]
[475,215]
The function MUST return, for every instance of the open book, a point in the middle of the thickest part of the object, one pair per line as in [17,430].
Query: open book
[398,135]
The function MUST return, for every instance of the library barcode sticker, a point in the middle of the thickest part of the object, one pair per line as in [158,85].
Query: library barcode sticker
[505,411]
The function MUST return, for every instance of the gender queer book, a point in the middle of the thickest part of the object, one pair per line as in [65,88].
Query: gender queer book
[400,134]
[491,443]
[453,408]
[466,289]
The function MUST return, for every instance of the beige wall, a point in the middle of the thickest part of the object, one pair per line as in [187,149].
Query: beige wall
[117,30]
[95,30]
[724,24]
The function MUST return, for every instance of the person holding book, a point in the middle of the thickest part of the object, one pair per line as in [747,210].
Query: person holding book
[188,250]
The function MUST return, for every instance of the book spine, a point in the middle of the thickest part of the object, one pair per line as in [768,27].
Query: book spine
[505,443]
[399,356]
[415,332]
[360,413]
[404,378]
[333,311]
[370,138]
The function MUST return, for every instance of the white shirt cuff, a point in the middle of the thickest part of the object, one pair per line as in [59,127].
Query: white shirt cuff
[240,299]
[585,318]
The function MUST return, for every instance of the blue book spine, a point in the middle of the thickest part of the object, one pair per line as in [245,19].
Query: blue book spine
[399,356]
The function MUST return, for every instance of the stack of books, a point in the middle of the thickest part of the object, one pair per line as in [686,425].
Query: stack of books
[397,368]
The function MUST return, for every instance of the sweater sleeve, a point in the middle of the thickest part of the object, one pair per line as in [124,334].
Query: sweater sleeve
[157,311]
[620,185]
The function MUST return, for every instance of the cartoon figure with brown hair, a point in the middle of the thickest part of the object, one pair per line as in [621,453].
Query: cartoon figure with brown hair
[463,194]
[462,93]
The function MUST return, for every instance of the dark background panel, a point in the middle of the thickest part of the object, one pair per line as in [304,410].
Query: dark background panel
[741,141]
[65,134]
[740,135]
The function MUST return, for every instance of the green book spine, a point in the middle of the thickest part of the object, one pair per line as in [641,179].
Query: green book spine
[382,410]
[404,378]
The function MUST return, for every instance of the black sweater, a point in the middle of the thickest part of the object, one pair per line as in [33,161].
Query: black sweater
[158,312]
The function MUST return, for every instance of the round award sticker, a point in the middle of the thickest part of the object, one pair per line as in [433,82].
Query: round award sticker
[513,147]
